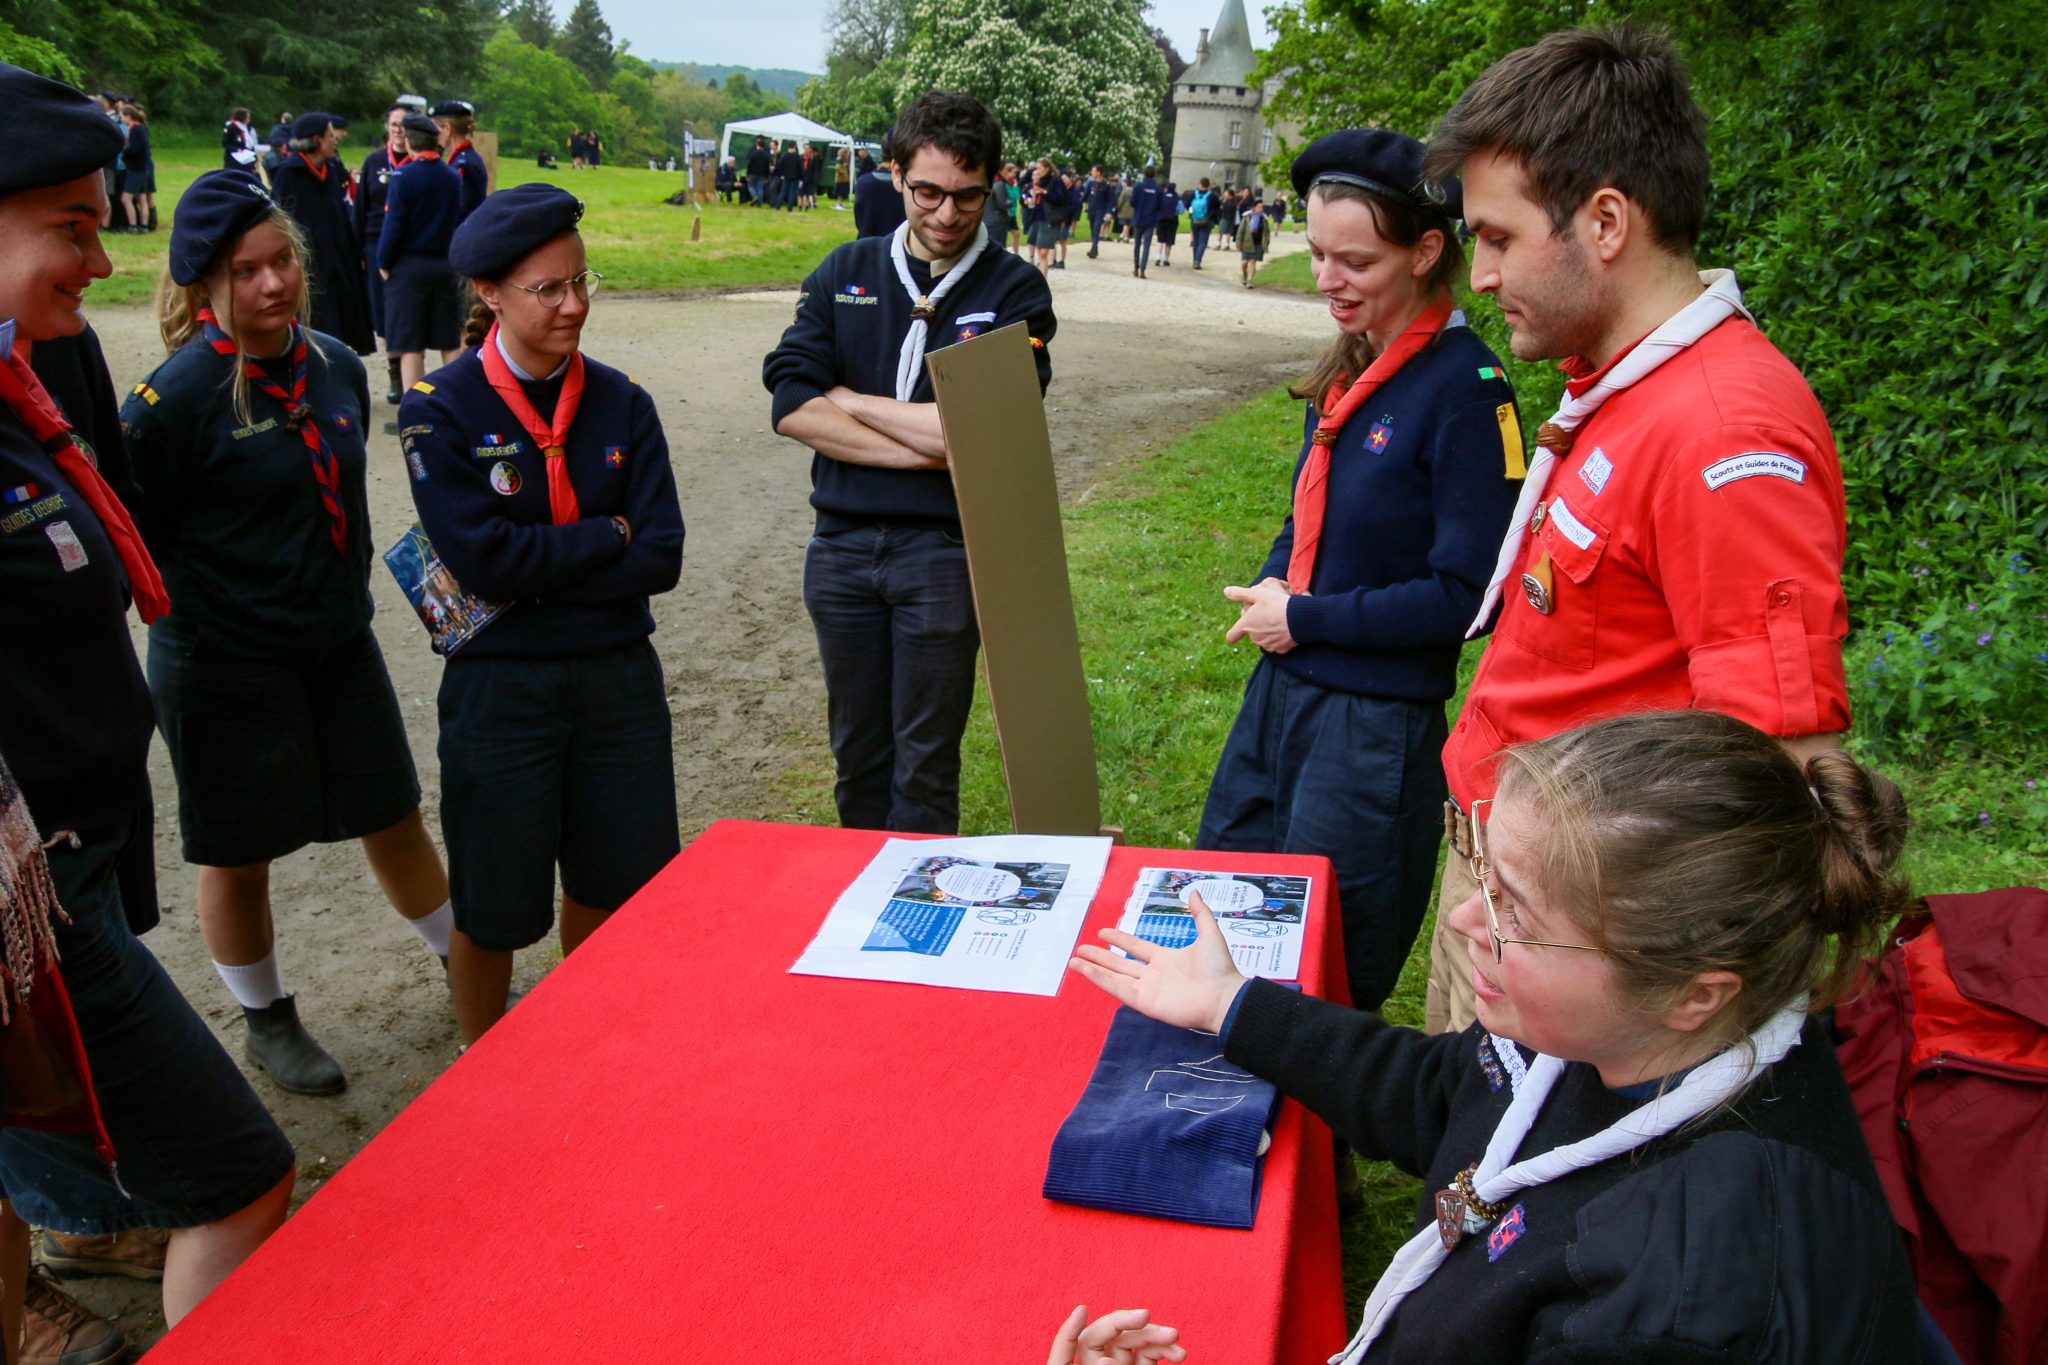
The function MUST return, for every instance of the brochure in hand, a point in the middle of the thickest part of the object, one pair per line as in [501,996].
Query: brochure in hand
[452,617]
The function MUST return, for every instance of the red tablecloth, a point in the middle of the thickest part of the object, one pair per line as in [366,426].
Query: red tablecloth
[673,1150]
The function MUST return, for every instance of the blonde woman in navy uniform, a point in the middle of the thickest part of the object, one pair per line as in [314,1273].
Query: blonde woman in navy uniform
[270,690]
[543,479]
[457,122]
[1411,449]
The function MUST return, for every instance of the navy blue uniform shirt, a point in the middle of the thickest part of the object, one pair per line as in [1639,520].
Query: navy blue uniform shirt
[232,513]
[422,212]
[850,323]
[1418,500]
[481,488]
[75,718]
[1147,199]
[372,185]
[476,178]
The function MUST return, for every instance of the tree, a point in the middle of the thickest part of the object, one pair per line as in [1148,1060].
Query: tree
[1175,68]
[533,97]
[866,42]
[690,103]
[586,40]
[533,21]
[1075,79]
[636,123]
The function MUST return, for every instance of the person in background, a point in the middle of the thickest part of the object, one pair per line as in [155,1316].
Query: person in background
[110,105]
[997,213]
[138,170]
[1683,434]
[198,1155]
[1254,232]
[1123,207]
[373,188]
[1100,197]
[277,143]
[789,172]
[556,748]
[1042,205]
[269,688]
[877,202]
[238,143]
[1069,215]
[422,297]
[545,160]
[1201,219]
[457,122]
[885,577]
[311,186]
[1650,1112]
[1410,460]
[726,181]
[1169,223]
[760,169]
[1226,212]
[1147,200]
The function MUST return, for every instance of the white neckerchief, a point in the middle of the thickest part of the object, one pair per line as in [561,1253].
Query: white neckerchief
[1713,1082]
[911,358]
[498,340]
[1722,300]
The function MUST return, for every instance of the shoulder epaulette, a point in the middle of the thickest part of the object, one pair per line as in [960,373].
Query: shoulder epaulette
[422,386]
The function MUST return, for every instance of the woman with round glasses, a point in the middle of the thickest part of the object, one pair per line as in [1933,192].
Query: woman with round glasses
[542,479]
[1644,1149]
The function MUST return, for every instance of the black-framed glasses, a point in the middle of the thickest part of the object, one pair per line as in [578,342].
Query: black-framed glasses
[1482,873]
[928,196]
[554,293]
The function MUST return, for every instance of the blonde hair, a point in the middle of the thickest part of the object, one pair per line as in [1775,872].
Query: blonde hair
[1686,842]
[178,305]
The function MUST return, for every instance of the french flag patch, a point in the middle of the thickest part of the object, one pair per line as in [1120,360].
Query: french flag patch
[22,493]
[856,290]
[492,438]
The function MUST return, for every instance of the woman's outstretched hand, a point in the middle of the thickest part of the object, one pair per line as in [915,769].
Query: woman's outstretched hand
[1124,1337]
[1189,987]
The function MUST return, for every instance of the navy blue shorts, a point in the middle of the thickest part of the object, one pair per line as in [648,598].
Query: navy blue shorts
[422,306]
[274,754]
[548,762]
[192,1142]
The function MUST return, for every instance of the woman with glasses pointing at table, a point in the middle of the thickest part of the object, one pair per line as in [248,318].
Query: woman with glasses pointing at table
[1644,1149]
[542,478]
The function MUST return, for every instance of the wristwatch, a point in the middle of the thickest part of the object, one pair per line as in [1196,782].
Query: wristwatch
[625,531]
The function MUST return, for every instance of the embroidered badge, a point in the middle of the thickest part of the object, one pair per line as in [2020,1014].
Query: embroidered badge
[414,461]
[615,456]
[70,553]
[1381,433]
[969,333]
[28,514]
[147,394]
[505,478]
[1491,372]
[1506,1233]
[19,494]
[255,429]
[423,387]
[495,447]
[1751,463]
[966,319]
[1490,1065]
[344,422]
[1593,473]
[855,294]
[1569,526]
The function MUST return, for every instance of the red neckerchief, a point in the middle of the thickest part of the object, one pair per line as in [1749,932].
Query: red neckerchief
[298,417]
[318,169]
[397,156]
[21,389]
[458,149]
[425,156]
[551,436]
[1312,489]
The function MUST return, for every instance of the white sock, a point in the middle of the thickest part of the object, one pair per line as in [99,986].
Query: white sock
[434,928]
[256,985]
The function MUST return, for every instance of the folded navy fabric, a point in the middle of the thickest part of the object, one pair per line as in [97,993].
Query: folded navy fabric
[1166,1127]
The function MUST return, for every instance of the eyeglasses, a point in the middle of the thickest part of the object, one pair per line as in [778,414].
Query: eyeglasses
[554,293]
[928,196]
[1481,873]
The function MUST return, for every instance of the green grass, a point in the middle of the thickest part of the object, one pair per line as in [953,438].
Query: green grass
[634,239]
[1290,274]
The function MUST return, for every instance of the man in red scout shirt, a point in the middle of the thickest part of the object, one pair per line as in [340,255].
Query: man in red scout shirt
[1678,542]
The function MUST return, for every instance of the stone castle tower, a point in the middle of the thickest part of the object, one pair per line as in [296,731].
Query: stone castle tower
[1217,130]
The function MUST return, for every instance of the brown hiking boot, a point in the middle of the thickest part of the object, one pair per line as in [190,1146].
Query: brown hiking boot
[57,1329]
[138,1254]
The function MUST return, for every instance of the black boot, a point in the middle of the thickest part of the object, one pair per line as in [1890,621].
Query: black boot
[393,394]
[280,1045]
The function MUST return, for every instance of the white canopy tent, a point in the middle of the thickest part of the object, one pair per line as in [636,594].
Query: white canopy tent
[776,127]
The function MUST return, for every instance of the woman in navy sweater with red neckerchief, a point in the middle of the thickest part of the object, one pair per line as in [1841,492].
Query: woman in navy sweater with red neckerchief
[1405,481]
[543,479]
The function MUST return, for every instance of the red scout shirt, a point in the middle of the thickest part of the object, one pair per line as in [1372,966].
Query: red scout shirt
[1696,532]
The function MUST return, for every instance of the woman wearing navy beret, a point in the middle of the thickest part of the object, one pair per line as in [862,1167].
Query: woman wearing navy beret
[311,184]
[1410,451]
[269,688]
[542,478]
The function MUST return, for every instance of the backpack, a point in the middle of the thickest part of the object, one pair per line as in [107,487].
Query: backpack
[1198,207]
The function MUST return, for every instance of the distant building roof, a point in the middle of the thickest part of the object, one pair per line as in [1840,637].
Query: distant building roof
[1227,57]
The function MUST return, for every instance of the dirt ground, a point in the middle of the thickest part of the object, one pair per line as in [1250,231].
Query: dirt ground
[1135,364]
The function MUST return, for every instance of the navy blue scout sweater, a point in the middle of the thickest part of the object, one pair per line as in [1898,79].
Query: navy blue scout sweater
[372,185]
[481,488]
[421,213]
[476,179]
[231,511]
[75,718]
[850,322]
[1760,1234]
[1418,501]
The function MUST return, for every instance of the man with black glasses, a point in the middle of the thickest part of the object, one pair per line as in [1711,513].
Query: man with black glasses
[885,576]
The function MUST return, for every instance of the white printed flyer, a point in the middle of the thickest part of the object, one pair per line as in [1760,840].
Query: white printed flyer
[1262,917]
[992,914]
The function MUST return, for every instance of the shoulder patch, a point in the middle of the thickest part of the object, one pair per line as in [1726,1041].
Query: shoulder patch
[1750,464]
[1514,462]
[422,387]
[147,394]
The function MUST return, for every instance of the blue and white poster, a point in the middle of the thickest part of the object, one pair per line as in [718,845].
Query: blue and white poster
[1262,915]
[993,914]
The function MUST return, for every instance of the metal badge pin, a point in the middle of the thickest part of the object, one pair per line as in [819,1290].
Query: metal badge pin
[1537,585]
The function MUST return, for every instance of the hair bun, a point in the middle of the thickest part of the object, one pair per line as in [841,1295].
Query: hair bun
[1863,828]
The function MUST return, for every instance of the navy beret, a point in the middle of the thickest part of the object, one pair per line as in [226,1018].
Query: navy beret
[453,109]
[508,225]
[215,210]
[1385,163]
[421,124]
[54,133]
[311,125]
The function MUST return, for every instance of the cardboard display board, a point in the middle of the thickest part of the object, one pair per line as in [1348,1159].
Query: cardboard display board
[1001,460]
[486,144]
